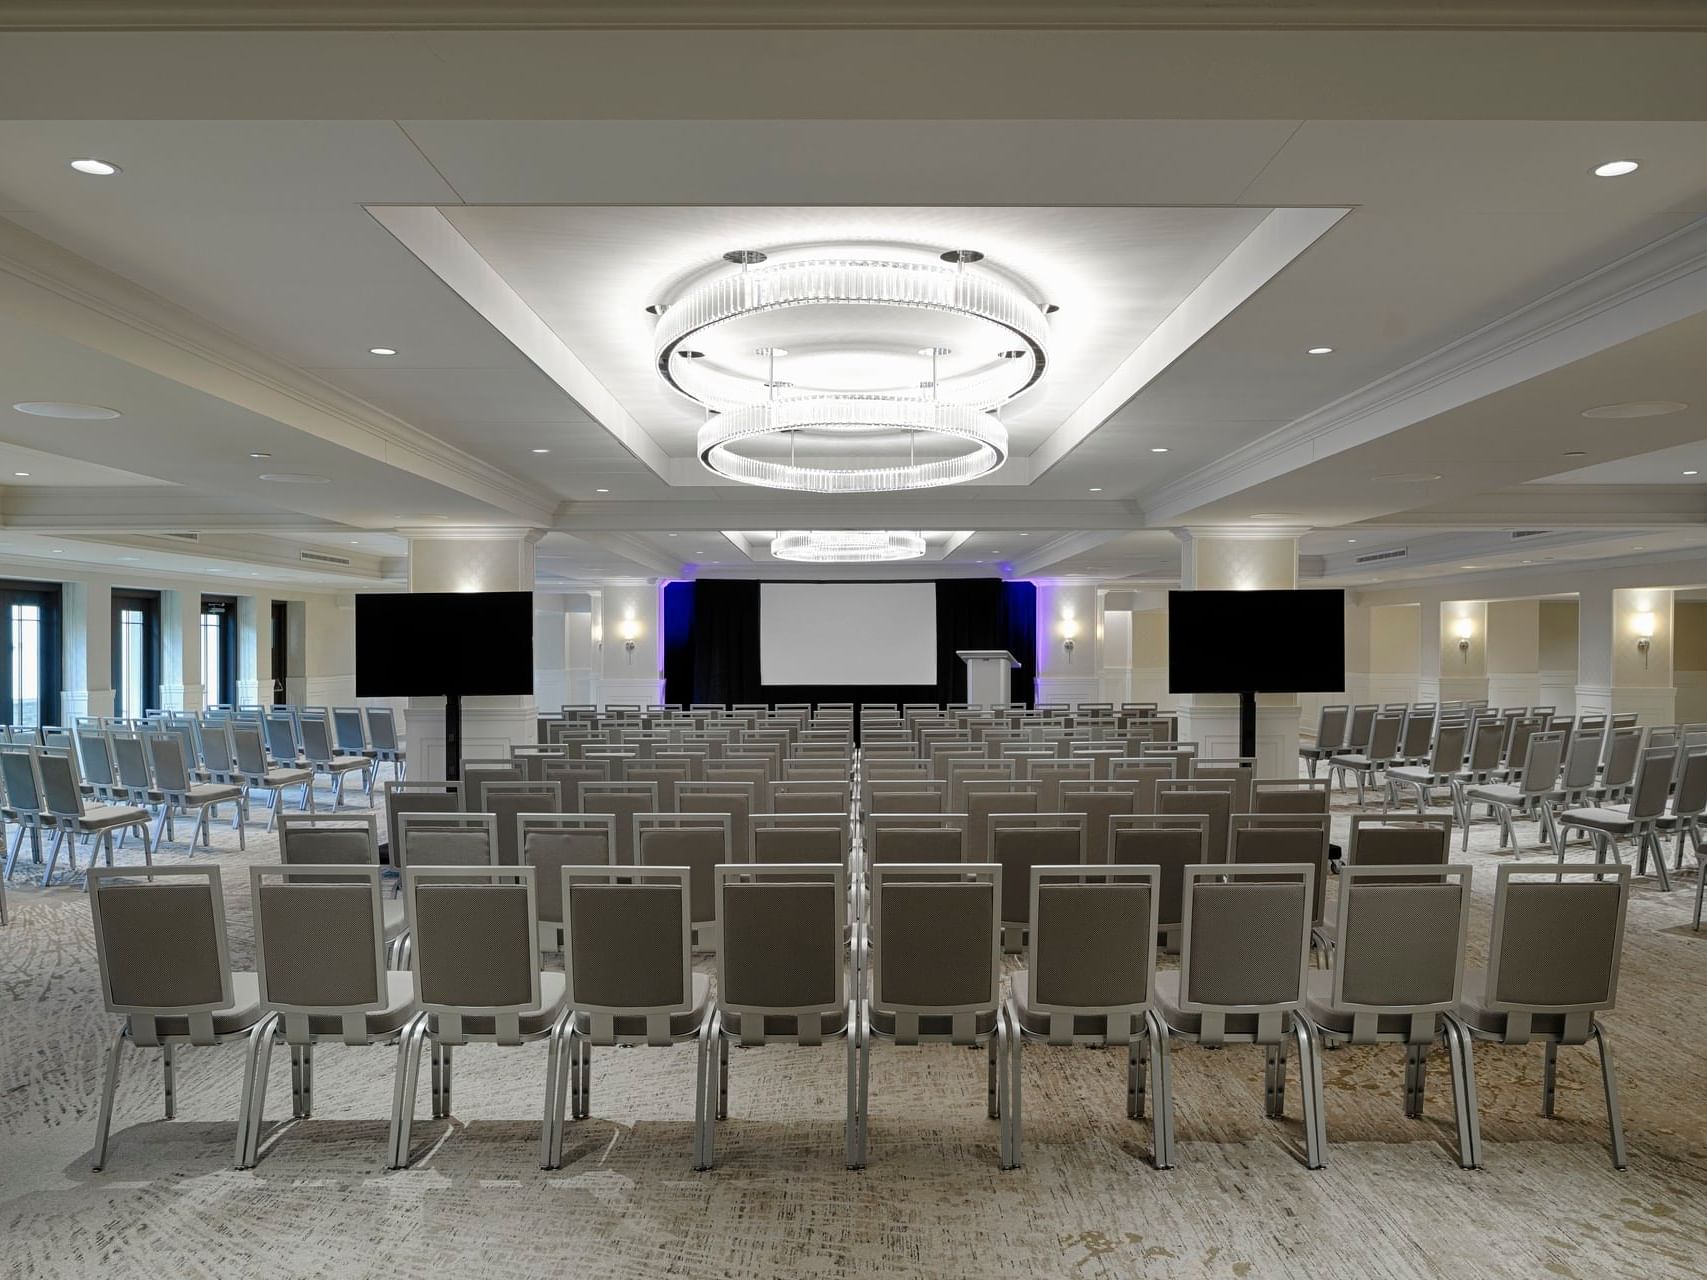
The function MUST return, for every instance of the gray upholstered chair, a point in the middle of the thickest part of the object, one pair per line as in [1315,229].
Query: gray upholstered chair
[1210,798]
[780,979]
[1688,800]
[1480,765]
[321,949]
[161,950]
[933,973]
[477,978]
[1050,774]
[984,798]
[507,801]
[1445,760]
[73,818]
[701,843]
[1381,752]
[1552,969]
[1241,771]
[323,758]
[1171,843]
[180,791]
[800,795]
[665,774]
[347,840]
[1147,772]
[445,840]
[548,842]
[622,801]
[387,748]
[1618,764]
[571,775]
[1021,841]
[914,837]
[1397,978]
[1525,795]
[1289,838]
[737,799]
[816,838]
[1089,975]
[476,774]
[1099,801]
[905,795]
[1332,721]
[1244,965]
[628,962]
[1577,779]
[1638,821]
[255,773]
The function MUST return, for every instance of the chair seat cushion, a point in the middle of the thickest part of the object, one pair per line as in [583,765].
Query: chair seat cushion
[98,817]
[553,998]
[1411,773]
[286,777]
[1597,819]
[1473,1008]
[213,793]
[1189,1022]
[1352,761]
[342,763]
[400,1006]
[1032,1022]
[245,1011]
[1318,1003]
[1496,793]
[681,1024]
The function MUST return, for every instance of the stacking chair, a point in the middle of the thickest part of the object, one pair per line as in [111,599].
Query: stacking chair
[816,838]
[507,801]
[548,842]
[1089,976]
[571,775]
[1147,772]
[1418,733]
[628,965]
[218,763]
[1397,978]
[1291,839]
[1618,765]
[1244,966]
[1050,774]
[279,726]
[317,751]
[697,841]
[384,743]
[477,773]
[754,773]
[135,784]
[74,818]
[1487,742]
[933,976]
[477,976]
[1445,761]
[804,796]
[1688,800]
[914,837]
[1398,839]
[321,962]
[1526,796]
[179,791]
[401,796]
[1578,779]
[1331,724]
[733,798]
[254,773]
[1638,821]
[665,775]
[1170,844]
[622,801]
[95,763]
[23,808]
[1021,841]
[991,797]
[444,840]
[1099,801]
[1241,771]
[1210,797]
[1381,753]
[1277,797]
[342,840]
[349,733]
[779,979]
[906,795]
[1552,969]
[161,950]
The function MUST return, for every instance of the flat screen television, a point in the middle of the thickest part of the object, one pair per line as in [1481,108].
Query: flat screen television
[1256,641]
[428,643]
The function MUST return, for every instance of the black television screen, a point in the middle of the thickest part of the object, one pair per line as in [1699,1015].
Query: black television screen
[442,642]
[1257,641]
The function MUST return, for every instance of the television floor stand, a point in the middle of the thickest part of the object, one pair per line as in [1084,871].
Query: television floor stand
[453,736]
[1247,724]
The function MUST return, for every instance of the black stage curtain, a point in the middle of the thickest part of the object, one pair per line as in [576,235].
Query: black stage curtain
[711,644]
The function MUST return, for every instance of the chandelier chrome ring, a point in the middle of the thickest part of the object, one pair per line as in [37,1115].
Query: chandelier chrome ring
[848,546]
[848,282]
[986,440]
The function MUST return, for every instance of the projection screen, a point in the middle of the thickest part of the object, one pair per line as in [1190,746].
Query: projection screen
[878,633]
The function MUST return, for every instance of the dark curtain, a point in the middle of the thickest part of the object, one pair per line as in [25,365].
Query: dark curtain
[711,644]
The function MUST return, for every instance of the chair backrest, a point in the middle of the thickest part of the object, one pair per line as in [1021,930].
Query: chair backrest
[1388,840]
[1099,801]
[1384,735]
[1171,844]
[1541,761]
[1400,942]
[160,945]
[1092,944]
[628,948]
[1690,797]
[348,730]
[475,944]
[1654,772]
[1556,943]
[1261,839]
[477,773]
[1246,946]
[18,773]
[1050,774]
[665,774]
[60,794]
[697,841]
[316,739]
[445,840]
[1622,747]
[508,801]
[1276,797]
[1448,753]
[1519,732]
[622,800]
[780,944]
[796,796]
[907,795]
[130,758]
[247,746]
[571,775]
[906,837]
[1361,723]
[382,729]
[1487,741]
[994,796]
[321,839]
[166,758]
[799,838]
[418,796]
[1419,730]
[754,773]
[548,842]
[217,757]
[936,944]
[319,945]
[962,772]
[281,737]
[1240,771]
[1331,723]
[1211,797]
[1022,841]
[1582,762]
[95,757]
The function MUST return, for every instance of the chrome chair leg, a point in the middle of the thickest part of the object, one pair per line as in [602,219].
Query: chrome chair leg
[1614,1115]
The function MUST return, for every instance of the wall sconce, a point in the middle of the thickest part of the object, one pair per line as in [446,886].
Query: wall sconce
[1069,629]
[1644,626]
[1464,628]
[628,630]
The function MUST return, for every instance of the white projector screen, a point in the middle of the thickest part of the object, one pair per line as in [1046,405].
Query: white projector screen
[847,633]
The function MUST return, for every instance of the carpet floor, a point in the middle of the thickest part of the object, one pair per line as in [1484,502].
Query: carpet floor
[932,1203]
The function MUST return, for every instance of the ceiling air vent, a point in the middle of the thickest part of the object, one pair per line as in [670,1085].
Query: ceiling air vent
[1528,533]
[320,557]
[183,537]
[1376,557]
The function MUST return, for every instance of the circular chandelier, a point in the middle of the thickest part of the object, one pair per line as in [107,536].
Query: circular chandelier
[848,546]
[895,369]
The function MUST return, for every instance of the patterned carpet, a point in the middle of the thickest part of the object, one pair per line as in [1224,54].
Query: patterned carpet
[1392,1202]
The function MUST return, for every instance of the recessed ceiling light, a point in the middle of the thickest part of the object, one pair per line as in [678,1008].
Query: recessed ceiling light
[601,490]
[1528,562]
[59,551]
[1158,448]
[1409,477]
[355,542]
[65,409]
[1638,548]
[1094,490]
[382,351]
[1271,515]
[260,455]
[1691,473]
[96,168]
[1466,566]
[1616,168]
[675,535]
[1636,409]
[129,557]
[542,450]
[1319,351]
[295,477]
[1025,535]
[1351,539]
[21,474]
[1576,453]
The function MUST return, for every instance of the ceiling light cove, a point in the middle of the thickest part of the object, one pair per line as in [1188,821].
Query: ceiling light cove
[848,546]
[852,369]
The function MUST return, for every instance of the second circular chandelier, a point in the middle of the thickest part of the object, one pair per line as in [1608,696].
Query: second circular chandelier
[878,371]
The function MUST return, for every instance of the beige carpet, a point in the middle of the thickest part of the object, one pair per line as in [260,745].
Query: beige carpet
[1392,1201]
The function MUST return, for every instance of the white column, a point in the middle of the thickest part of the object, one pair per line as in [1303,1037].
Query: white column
[1114,645]
[1067,611]
[632,663]
[87,648]
[1242,559]
[254,650]
[583,656]
[1617,672]
[470,560]
[329,650]
[550,652]
[181,650]
[1149,661]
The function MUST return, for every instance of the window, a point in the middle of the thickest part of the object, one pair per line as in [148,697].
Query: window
[219,650]
[29,665]
[136,652]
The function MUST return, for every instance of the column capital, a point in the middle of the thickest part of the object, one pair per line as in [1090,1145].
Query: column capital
[470,533]
[1239,532]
